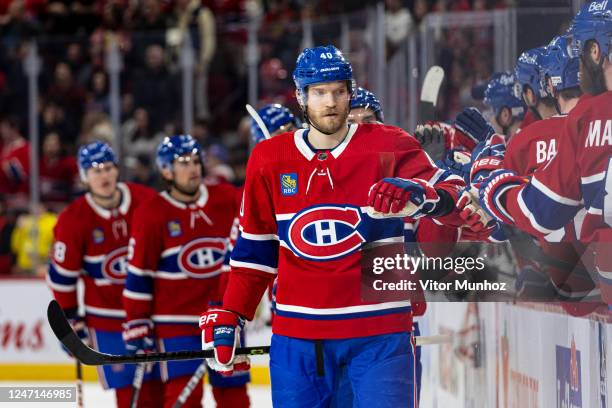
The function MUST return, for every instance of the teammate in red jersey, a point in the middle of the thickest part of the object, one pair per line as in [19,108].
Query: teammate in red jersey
[178,249]
[579,175]
[305,218]
[91,244]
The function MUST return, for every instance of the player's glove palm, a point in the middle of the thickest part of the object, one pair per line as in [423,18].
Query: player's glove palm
[397,197]
[434,132]
[221,332]
[457,162]
[472,128]
[138,336]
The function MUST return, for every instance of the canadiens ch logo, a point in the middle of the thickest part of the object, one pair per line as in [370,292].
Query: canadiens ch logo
[325,232]
[289,184]
[114,267]
[202,258]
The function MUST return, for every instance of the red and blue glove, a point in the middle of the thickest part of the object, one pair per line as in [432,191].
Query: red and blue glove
[472,128]
[138,336]
[486,158]
[221,332]
[397,197]
[492,190]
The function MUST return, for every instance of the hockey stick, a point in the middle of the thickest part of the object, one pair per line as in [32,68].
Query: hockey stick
[137,384]
[258,120]
[79,384]
[88,356]
[430,92]
[193,382]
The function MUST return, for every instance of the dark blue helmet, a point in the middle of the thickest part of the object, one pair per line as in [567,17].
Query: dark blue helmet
[500,93]
[173,147]
[93,154]
[593,22]
[273,116]
[318,65]
[557,65]
[362,98]
[527,71]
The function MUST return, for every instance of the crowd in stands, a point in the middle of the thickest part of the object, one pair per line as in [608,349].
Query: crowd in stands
[74,103]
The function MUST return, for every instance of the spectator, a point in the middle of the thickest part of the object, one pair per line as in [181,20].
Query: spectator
[398,23]
[139,138]
[77,62]
[155,89]
[16,27]
[66,93]
[31,241]
[141,171]
[14,159]
[98,98]
[58,172]
[53,119]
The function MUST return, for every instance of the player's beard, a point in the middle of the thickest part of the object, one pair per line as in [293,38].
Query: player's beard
[329,127]
[188,191]
[592,80]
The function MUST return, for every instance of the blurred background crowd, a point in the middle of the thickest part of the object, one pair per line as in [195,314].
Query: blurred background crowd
[243,51]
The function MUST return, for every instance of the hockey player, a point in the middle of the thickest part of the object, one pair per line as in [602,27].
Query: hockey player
[277,119]
[177,251]
[579,174]
[528,73]
[91,240]
[365,108]
[302,218]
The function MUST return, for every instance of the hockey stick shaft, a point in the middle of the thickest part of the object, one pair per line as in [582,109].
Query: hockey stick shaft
[258,120]
[137,384]
[79,384]
[86,355]
[193,382]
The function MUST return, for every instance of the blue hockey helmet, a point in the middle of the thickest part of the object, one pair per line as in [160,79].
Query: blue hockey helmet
[557,65]
[527,71]
[318,65]
[92,155]
[362,98]
[593,22]
[274,116]
[500,93]
[173,147]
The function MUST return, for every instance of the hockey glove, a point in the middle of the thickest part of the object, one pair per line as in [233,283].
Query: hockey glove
[397,197]
[492,190]
[78,325]
[457,162]
[221,331]
[476,219]
[138,336]
[486,158]
[472,128]
[434,132]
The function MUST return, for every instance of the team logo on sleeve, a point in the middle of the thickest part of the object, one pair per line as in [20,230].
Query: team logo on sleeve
[114,267]
[174,229]
[289,184]
[202,258]
[97,235]
[325,232]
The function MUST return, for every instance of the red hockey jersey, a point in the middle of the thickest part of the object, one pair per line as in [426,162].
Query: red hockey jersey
[579,176]
[303,218]
[91,243]
[534,146]
[178,252]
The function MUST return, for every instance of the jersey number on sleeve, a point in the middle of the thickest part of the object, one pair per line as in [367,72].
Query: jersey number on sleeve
[59,251]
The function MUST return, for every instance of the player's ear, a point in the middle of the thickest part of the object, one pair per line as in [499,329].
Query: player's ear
[505,116]
[594,51]
[166,173]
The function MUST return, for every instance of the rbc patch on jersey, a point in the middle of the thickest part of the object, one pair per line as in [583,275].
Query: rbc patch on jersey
[289,185]
[174,229]
[98,235]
